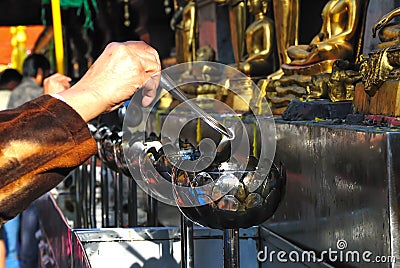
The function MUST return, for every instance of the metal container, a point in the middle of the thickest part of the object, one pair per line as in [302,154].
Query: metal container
[342,190]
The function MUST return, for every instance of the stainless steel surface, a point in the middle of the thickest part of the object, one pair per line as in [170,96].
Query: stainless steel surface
[187,245]
[92,192]
[105,208]
[157,247]
[272,244]
[118,199]
[152,211]
[150,247]
[132,203]
[168,84]
[393,156]
[231,248]
[342,184]
[79,258]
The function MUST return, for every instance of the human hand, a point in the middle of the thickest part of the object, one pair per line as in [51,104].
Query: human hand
[56,83]
[114,77]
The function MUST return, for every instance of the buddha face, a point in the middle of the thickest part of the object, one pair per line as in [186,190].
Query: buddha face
[257,6]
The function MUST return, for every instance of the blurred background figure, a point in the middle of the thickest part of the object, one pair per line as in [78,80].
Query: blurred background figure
[9,79]
[35,69]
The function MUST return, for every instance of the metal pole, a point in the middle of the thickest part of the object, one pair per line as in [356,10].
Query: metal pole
[118,199]
[132,203]
[187,245]
[231,248]
[86,211]
[78,197]
[152,211]
[92,191]
[105,208]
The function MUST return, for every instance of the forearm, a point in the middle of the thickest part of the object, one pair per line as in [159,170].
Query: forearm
[84,102]
[41,141]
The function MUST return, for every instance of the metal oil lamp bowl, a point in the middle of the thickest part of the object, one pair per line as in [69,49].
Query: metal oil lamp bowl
[225,198]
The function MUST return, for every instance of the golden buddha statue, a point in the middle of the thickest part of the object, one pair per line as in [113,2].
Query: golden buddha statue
[286,18]
[340,37]
[259,41]
[286,21]
[384,63]
[335,40]
[380,69]
[338,85]
[389,33]
[186,30]
[237,21]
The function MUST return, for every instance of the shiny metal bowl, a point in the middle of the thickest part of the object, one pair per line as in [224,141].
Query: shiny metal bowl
[229,199]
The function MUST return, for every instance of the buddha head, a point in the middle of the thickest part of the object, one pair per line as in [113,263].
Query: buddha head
[257,6]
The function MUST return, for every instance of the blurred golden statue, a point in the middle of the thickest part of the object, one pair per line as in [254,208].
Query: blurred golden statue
[338,85]
[259,41]
[384,63]
[237,21]
[380,70]
[340,37]
[185,24]
[286,19]
[18,42]
[389,33]
[341,18]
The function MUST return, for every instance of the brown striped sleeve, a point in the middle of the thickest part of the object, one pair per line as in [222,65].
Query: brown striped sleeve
[40,142]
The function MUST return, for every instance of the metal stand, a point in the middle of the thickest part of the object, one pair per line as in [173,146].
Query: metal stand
[152,211]
[132,203]
[105,209]
[118,218]
[187,247]
[231,248]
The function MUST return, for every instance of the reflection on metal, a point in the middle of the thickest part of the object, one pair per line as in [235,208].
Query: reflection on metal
[114,168]
[341,185]
[393,192]
[160,247]
[271,242]
[187,243]
[134,247]
[231,248]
